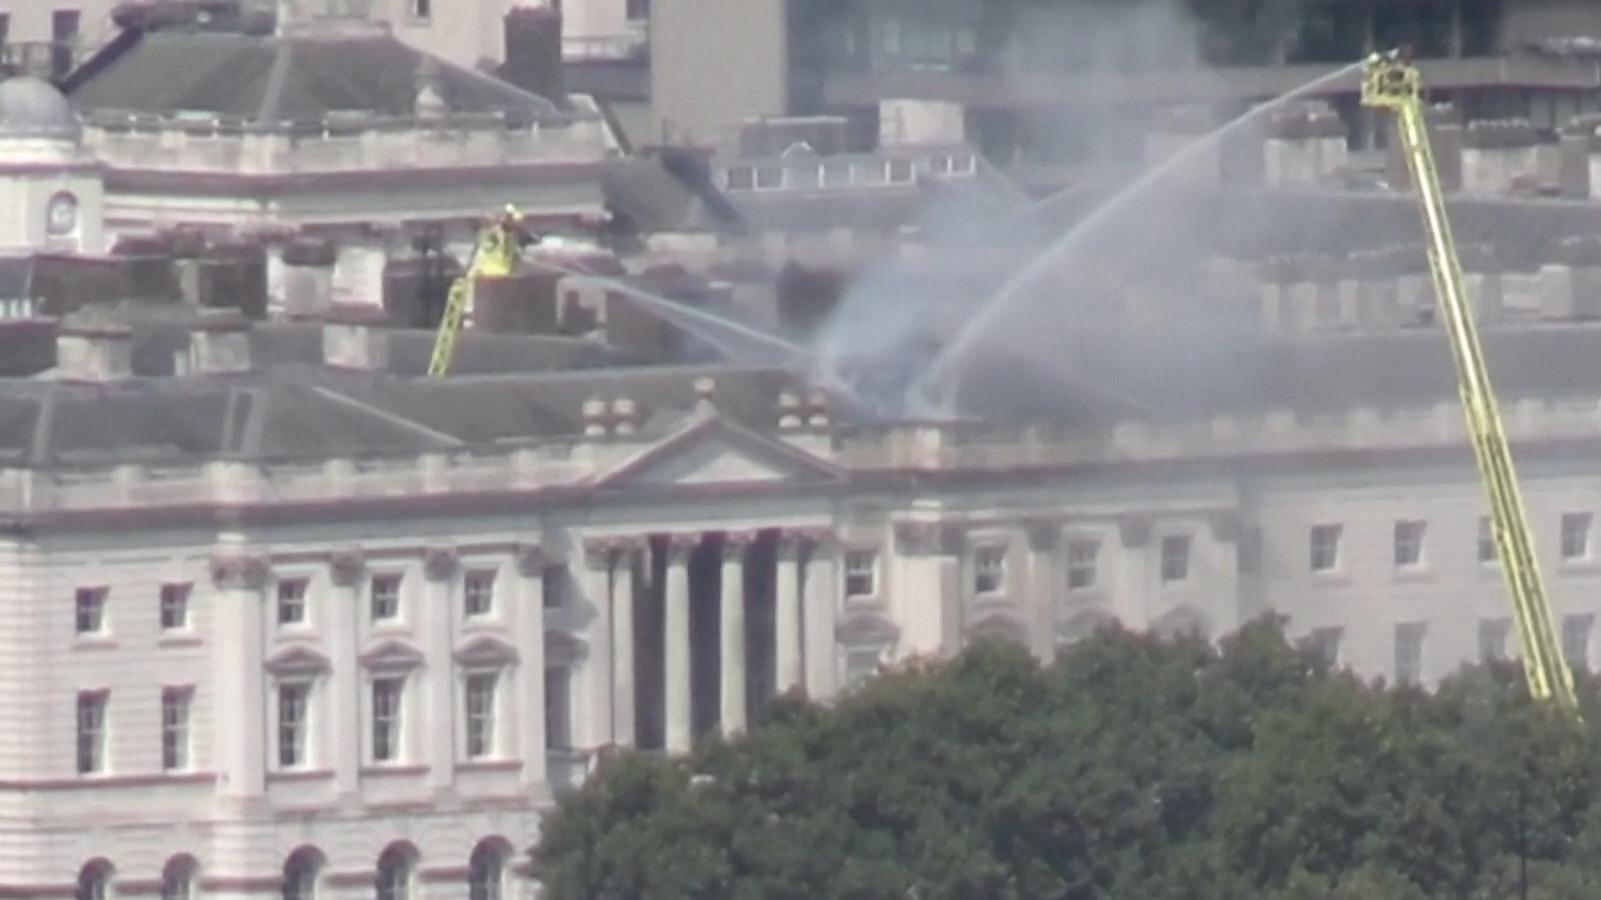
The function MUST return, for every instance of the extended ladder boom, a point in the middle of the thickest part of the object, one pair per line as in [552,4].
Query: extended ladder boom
[1391,82]
[495,256]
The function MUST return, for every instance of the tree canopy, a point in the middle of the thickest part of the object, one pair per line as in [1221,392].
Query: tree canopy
[1131,768]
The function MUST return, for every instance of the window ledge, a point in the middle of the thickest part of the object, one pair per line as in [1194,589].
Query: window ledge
[488,622]
[292,775]
[1416,574]
[1580,566]
[395,770]
[94,642]
[178,639]
[491,764]
[1333,578]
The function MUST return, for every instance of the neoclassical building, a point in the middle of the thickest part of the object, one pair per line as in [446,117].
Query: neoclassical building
[283,619]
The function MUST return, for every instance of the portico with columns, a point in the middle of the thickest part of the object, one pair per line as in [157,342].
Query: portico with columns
[704,627]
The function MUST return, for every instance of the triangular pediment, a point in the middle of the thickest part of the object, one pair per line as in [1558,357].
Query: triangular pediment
[867,630]
[486,650]
[716,452]
[297,658]
[391,654]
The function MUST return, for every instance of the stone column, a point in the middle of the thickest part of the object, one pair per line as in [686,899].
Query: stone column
[239,695]
[675,635]
[787,610]
[622,610]
[346,569]
[440,565]
[593,721]
[1044,582]
[530,642]
[731,624]
[821,587]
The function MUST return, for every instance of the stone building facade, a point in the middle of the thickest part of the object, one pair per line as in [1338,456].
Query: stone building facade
[303,628]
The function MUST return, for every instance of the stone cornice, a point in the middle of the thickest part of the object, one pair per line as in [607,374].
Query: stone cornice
[440,563]
[238,570]
[345,566]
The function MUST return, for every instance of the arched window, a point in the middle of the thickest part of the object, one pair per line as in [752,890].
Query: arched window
[302,871]
[486,871]
[94,880]
[395,869]
[178,878]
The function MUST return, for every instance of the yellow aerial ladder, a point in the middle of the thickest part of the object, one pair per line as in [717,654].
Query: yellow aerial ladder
[1390,81]
[496,255]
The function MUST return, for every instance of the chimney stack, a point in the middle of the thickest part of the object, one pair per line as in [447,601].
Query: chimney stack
[353,338]
[94,350]
[219,344]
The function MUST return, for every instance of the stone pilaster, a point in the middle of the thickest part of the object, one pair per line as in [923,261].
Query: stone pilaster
[440,567]
[624,563]
[1044,541]
[346,569]
[679,725]
[820,587]
[736,545]
[530,643]
[238,677]
[788,652]
[596,716]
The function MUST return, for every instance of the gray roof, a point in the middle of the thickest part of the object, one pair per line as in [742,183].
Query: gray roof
[310,413]
[1099,377]
[296,77]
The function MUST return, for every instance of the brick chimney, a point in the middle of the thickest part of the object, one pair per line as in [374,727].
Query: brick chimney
[353,338]
[219,344]
[94,351]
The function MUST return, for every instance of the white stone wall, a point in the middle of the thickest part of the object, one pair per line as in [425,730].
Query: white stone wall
[1247,532]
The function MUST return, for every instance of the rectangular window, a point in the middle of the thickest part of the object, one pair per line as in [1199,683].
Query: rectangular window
[1083,555]
[385,597]
[422,9]
[387,696]
[292,601]
[1493,639]
[91,732]
[5,29]
[480,715]
[1409,543]
[1487,551]
[1326,547]
[292,724]
[1325,642]
[478,593]
[989,570]
[1576,535]
[1576,640]
[637,10]
[175,606]
[175,704]
[558,710]
[1175,558]
[900,171]
[89,607]
[554,581]
[1409,653]
[740,178]
[861,573]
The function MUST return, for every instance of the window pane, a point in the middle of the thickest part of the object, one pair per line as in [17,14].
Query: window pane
[1175,558]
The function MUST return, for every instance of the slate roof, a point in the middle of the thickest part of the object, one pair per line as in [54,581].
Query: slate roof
[1098,378]
[297,77]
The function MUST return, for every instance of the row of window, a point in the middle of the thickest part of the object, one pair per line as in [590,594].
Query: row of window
[394,879]
[1494,644]
[93,707]
[989,566]
[386,721]
[1408,538]
[292,604]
